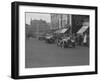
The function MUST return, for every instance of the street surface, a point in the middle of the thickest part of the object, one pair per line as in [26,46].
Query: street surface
[41,54]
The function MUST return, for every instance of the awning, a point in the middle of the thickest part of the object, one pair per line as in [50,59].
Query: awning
[62,30]
[83,29]
[57,31]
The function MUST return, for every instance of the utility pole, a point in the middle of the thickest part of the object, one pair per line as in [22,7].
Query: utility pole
[51,26]
[70,23]
[37,29]
[61,20]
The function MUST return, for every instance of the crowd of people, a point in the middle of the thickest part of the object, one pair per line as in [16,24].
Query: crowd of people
[69,40]
[75,40]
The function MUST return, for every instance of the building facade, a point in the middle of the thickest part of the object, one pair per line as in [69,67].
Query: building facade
[59,21]
[78,21]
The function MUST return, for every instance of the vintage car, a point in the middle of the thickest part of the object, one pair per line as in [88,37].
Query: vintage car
[50,38]
[66,42]
[41,37]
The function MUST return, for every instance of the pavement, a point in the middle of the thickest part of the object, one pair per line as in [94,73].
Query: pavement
[41,54]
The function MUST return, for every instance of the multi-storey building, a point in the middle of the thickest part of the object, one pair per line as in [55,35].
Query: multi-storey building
[75,22]
[78,21]
[59,21]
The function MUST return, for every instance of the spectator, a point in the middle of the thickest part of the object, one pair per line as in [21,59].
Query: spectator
[80,39]
[85,39]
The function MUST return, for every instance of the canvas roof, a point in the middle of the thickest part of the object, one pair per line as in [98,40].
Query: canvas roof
[83,29]
[62,30]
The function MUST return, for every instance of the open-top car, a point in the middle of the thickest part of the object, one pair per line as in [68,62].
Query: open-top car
[66,42]
[50,38]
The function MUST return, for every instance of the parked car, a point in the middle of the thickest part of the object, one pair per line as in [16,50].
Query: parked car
[41,37]
[50,38]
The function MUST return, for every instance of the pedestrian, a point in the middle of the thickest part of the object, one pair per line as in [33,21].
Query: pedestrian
[80,40]
[85,40]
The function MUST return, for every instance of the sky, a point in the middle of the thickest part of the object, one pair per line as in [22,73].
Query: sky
[37,16]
